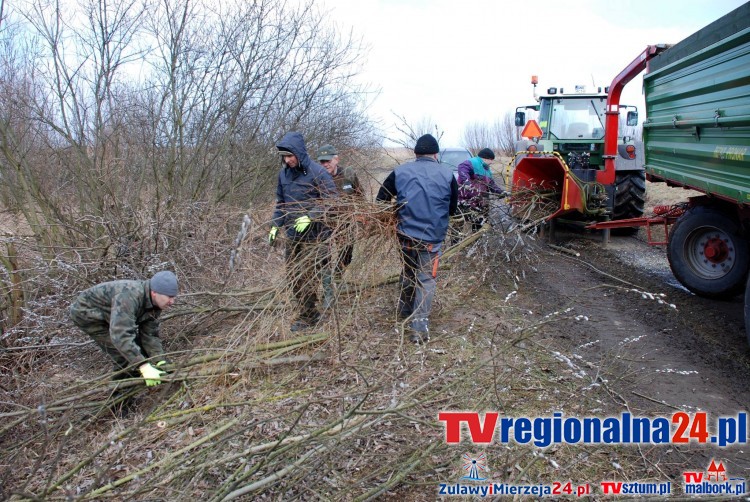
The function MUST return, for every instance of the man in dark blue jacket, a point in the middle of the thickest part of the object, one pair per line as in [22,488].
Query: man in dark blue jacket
[426,195]
[300,208]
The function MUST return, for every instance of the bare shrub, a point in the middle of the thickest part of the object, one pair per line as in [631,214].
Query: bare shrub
[410,132]
[117,117]
[500,136]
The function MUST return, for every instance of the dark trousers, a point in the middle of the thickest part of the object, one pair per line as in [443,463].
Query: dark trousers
[417,282]
[344,258]
[305,264]
[330,275]
[343,243]
[475,216]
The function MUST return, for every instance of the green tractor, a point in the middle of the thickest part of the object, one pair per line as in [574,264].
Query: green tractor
[591,173]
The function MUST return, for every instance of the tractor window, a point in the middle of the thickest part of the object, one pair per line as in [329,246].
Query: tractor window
[577,118]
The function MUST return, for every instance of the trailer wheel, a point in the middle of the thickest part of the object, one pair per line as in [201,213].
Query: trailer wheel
[630,198]
[707,254]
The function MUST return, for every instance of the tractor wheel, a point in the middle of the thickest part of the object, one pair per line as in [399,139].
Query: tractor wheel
[630,195]
[707,254]
[747,310]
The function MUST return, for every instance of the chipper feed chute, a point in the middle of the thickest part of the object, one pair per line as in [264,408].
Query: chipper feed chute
[546,175]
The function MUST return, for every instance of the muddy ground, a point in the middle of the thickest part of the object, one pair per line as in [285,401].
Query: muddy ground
[663,353]
[618,319]
[617,314]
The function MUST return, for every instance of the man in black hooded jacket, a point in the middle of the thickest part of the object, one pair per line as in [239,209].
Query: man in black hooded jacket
[300,207]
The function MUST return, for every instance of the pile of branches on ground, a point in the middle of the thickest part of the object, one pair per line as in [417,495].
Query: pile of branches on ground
[344,411]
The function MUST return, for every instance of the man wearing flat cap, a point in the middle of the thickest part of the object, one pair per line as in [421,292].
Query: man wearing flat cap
[301,204]
[123,319]
[426,196]
[350,191]
[345,178]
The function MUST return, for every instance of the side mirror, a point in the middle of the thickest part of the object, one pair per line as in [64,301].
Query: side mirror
[520,119]
[632,119]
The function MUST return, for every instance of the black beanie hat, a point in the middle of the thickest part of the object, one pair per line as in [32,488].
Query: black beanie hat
[426,145]
[486,153]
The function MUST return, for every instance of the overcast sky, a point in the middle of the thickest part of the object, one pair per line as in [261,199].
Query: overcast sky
[463,61]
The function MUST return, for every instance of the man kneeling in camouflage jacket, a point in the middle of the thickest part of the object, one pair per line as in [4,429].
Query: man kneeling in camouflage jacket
[123,319]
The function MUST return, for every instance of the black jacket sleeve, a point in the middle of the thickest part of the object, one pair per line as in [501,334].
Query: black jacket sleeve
[388,190]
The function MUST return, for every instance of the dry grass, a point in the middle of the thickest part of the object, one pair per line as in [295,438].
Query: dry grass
[659,194]
[347,411]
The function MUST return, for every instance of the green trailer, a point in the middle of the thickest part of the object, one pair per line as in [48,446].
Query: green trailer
[697,135]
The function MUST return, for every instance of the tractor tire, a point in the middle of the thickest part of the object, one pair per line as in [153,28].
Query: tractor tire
[630,199]
[707,253]
[747,310]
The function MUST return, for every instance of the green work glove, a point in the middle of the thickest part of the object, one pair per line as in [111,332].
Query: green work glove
[151,375]
[165,366]
[272,235]
[301,223]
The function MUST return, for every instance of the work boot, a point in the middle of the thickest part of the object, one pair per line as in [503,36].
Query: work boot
[122,407]
[123,400]
[419,337]
[403,315]
[300,325]
[305,322]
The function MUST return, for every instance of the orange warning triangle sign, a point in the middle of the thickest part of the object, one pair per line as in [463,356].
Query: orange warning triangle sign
[531,130]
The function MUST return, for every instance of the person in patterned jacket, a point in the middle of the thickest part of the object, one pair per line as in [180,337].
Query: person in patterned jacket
[475,183]
[123,319]
[350,190]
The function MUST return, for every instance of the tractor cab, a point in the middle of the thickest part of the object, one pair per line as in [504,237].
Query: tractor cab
[572,125]
[562,151]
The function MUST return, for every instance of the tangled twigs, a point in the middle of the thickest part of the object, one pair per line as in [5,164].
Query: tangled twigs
[533,205]
[453,250]
[252,406]
[343,429]
[416,458]
[207,439]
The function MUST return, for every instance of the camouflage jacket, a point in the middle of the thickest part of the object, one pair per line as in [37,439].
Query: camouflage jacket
[347,182]
[126,308]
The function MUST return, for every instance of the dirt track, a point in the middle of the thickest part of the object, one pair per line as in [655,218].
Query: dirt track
[618,312]
[656,354]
